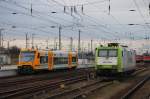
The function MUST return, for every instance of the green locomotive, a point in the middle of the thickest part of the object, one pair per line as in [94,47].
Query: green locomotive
[114,59]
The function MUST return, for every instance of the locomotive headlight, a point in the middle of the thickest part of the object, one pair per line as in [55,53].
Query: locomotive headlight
[113,66]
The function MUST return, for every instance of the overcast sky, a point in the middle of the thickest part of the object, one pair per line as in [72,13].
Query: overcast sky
[95,21]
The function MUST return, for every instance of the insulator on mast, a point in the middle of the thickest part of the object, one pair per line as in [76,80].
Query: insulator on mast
[64,9]
[82,9]
[75,10]
[109,8]
[71,10]
[31,9]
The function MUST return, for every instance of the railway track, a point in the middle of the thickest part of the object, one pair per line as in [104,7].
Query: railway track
[37,86]
[83,91]
[9,93]
[79,91]
[139,70]
[31,87]
[136,88]
[12,81]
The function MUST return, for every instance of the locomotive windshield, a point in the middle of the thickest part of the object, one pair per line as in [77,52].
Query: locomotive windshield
[103,53]
[107,53]
[27,56]
[112,53]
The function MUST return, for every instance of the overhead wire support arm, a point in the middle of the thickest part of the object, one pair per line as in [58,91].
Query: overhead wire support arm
[82,9]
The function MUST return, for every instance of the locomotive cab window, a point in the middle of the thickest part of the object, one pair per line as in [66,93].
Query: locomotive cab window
[107,53]
[112,53]
[102,53]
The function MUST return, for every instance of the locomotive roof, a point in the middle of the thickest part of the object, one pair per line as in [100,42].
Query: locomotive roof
[113,47]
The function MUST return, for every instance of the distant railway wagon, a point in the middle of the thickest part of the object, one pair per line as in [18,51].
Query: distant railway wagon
[114,59]
[146,58]
[33,60]
[139,58]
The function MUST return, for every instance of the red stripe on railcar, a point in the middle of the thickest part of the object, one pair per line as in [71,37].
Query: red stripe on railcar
[146,58]
[139,58]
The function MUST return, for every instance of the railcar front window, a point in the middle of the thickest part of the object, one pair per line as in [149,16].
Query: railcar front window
[27,56]
[102,53]
[112,53]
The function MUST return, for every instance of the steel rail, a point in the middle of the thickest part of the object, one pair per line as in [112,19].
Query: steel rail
[77,92]
[32,78]
[135,88]
[40,86]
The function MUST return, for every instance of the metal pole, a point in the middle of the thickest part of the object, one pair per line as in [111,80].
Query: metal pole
[33,41]
[60,37]
[91,45]
[79,47]
[47,43]
[8,45]
[82,46]
[8,48]
[88,47]
[26,40]
[0,37]
[71,43]
[55,43]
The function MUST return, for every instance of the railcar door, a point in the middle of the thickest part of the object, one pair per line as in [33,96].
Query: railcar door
[50,60]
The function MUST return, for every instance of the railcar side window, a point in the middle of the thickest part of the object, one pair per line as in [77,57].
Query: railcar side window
[112,53]
[74,59]
[102,53]
[60,60]
[1,61]
[43,59]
